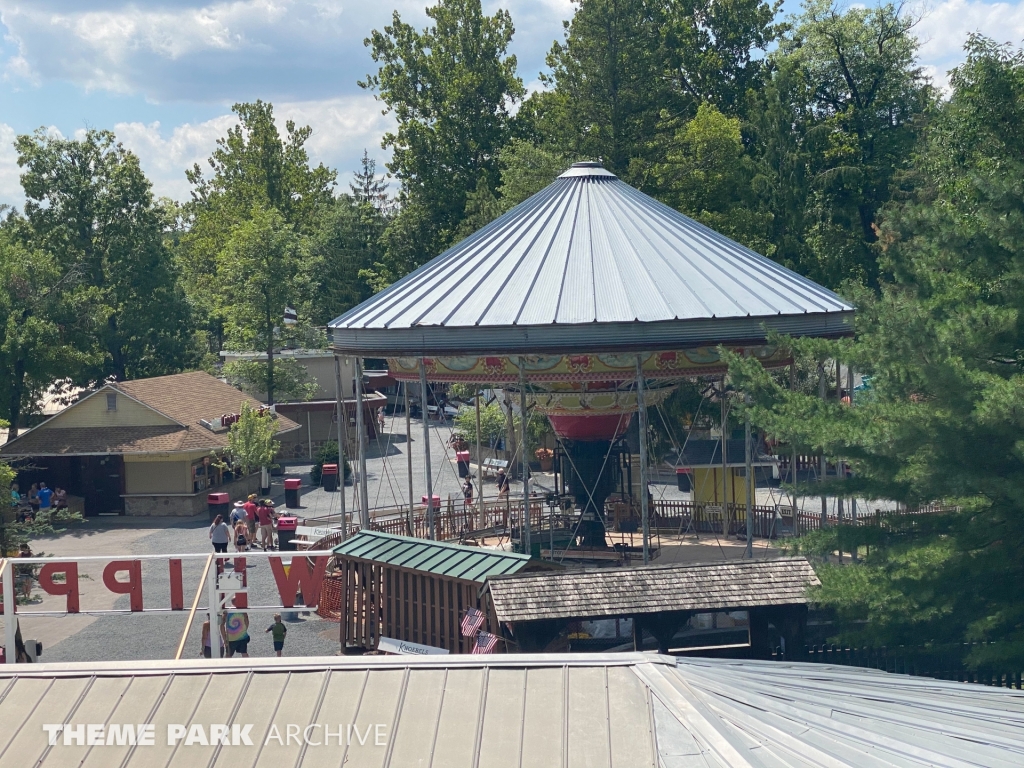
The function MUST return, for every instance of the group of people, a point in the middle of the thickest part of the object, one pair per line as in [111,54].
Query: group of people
[248,519]
[234,633]
[501,484]
[38,499]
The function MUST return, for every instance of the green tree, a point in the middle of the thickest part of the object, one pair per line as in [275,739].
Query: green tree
[714,51]
[253,167]
[89,206]
[450,87]
[707,174]
[526,169]
[864,105]
[609,74]
[251,440]
[258,272]
[291,379]
[942,345]
[44,335]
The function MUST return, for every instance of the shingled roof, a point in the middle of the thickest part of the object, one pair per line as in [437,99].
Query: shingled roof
[714,586]
[184,398]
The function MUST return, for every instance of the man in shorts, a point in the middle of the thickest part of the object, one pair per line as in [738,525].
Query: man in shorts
[250,515]
[265,519]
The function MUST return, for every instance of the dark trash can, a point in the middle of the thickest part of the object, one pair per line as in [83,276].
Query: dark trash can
[218,504]
[462,458]
[329,478]
[291,492]
[684,479]
[286,526]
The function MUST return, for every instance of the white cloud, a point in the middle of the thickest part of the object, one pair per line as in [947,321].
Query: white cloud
[190,51]
[944,28]
[342,128]
[226,50]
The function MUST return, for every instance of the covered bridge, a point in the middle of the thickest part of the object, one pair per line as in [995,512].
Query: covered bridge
[657,598]
[415,590]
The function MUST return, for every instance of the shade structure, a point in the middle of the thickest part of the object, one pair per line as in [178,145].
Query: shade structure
[589,264]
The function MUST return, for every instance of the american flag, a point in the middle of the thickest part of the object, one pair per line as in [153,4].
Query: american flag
[471,622]
[485,642]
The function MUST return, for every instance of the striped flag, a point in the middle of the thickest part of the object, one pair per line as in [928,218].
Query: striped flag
[291,317]
[471,622]
[485,643]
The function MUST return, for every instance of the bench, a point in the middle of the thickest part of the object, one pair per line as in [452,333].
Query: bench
[492,466]
[306,536]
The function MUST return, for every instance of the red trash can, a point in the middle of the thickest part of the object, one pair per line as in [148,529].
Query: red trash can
[437,501]
[218,504]
[462,457]
[329,478]
[291,492]
[286,526]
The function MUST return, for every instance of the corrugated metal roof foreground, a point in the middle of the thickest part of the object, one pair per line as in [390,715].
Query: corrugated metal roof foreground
[437,557]
[589,264]
[716,586]
[616,710]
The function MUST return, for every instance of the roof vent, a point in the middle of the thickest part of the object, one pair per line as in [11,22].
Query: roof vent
[587,168]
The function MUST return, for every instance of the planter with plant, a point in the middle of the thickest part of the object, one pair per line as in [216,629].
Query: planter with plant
[546,458]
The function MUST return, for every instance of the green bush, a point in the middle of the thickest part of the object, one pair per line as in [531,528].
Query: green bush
[328,454]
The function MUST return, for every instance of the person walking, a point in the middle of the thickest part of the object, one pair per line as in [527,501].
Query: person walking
[220,534]
[502,483]
[279,630]
[235,625]
[250,515]
[380,418]
[26,572]
[207,645]
[467,492]
[265,519]
[241,536]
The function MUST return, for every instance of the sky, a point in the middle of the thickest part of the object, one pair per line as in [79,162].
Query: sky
[163,74]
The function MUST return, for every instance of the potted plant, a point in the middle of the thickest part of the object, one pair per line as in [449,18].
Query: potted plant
[545,456]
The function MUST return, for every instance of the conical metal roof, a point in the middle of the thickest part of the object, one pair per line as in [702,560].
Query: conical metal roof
[589,264]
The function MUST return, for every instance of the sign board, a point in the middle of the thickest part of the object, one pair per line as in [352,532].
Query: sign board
[298,580]
[405,648]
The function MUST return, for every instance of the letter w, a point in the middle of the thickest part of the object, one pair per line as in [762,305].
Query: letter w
[299,579]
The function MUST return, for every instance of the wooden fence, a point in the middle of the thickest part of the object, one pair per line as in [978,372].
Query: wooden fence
[455,521]
[944,662]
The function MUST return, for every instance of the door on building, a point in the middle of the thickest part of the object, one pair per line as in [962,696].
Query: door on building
[102,480]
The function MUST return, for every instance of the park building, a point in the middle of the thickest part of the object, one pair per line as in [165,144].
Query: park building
[148,447]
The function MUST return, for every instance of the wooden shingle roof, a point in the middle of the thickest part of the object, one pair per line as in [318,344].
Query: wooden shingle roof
[652,589]
[184,398]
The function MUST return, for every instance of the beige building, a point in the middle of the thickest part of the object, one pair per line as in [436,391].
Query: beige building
[317,418]
[144,447]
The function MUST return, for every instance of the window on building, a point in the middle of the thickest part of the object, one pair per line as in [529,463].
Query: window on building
[111,401]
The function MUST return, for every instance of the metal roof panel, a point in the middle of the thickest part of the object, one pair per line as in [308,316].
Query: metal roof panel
[588,251]
[438,557]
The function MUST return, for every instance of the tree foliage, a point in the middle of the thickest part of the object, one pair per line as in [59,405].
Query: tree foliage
[450,88]
[251,440]
[942,344]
